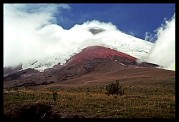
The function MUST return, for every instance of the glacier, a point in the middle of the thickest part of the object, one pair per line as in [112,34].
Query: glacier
[108,38]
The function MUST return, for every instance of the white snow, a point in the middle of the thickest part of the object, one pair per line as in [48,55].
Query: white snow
[113,39]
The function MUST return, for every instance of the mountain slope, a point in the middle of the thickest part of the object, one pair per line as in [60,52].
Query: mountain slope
[112,39]
[96,59]
[92,52]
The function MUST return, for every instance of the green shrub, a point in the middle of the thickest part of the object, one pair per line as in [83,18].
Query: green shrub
[55,95]
[114,88]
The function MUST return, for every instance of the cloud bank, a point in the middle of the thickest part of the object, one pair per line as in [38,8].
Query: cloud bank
[22,25]
[163,52]
[31,33]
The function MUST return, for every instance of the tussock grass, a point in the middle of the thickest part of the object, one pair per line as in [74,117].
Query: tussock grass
[142,99]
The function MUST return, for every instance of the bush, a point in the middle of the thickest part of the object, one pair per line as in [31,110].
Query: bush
[55,95]
[114,88]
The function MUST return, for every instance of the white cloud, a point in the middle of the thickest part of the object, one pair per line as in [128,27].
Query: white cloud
[163,52]
[150,37]
[30,33]
[22,23]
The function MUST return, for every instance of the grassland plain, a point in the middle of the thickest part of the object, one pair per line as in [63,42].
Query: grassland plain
[143,98]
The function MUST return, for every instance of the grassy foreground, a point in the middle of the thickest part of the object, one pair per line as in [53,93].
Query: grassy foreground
[141,99]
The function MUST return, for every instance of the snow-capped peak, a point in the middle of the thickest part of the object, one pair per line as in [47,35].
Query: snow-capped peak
[113,39]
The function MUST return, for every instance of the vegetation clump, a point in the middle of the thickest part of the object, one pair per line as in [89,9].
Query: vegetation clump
[55,95]
[114,88]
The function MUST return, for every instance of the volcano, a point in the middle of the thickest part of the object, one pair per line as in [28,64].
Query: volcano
[96,59]
[99,52]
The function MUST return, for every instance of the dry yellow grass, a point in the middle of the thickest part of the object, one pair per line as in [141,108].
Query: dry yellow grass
[139,101]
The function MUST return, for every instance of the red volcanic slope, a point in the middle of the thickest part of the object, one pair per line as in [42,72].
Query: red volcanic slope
[98,52]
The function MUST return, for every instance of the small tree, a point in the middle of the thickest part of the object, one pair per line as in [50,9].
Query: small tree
[114,88]
[55,95]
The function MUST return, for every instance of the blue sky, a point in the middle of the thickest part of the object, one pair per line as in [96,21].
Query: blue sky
[129,18]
